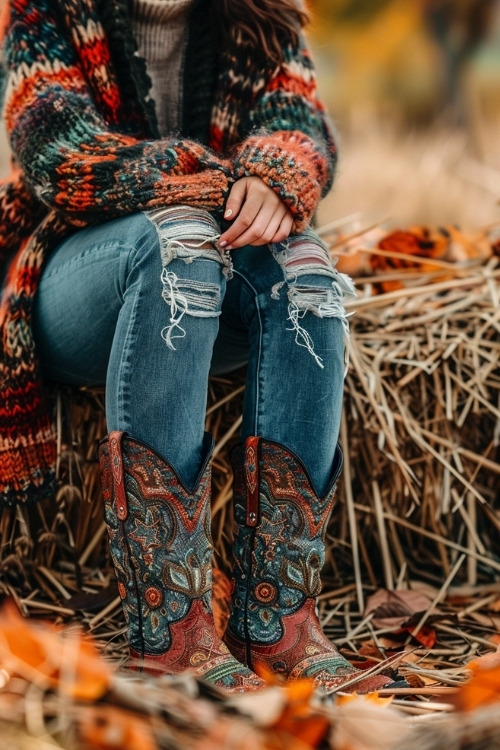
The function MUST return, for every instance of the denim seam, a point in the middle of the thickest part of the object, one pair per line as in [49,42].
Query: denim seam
[124,395]
[258,365]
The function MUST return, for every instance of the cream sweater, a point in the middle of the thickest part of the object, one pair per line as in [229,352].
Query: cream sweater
[159,27]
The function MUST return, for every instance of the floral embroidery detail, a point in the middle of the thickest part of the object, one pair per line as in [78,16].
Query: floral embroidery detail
[162,553]
[277,567]
[153,596]
[265,592]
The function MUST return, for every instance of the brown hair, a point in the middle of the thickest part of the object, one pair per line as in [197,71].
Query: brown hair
[262,25]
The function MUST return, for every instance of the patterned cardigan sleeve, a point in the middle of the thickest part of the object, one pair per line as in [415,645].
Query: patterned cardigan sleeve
[73,156]
[291,145]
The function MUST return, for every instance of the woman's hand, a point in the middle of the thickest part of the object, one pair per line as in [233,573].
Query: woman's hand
[257,213]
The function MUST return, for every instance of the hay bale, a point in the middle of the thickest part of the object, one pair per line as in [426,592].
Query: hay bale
[419,494]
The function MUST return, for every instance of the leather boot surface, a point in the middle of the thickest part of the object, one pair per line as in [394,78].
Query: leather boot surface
[279,551]
[160,542]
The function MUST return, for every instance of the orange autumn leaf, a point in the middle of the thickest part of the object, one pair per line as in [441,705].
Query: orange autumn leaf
[486,661]
[463,247]
[298,719]
[84,674]
[110,728]
[353,262]
[417,241]
[420,241]
[483,689]
[374,698]
[416,247]
[22,651]
[43,653]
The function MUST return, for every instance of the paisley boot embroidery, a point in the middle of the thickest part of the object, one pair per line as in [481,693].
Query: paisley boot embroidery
[160,542]
[277,570]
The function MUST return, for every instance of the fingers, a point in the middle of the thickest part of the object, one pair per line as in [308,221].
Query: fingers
[257,214]
[235,200]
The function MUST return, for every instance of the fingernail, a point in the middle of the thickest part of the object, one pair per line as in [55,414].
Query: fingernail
[223,243]
[228,213]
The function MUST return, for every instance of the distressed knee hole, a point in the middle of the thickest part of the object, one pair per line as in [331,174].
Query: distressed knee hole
[312,285]
[200,299]
[189,234]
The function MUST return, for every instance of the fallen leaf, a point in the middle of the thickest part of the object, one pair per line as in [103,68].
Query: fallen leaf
[424,635]
[483,689]
[391,609]
[49,655]
[111,728]
[298,719]
[374,698]
[486,661]
[285,709]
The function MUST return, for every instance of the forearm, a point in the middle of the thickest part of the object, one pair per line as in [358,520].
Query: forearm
[72,163]
[73,157]
[291,146]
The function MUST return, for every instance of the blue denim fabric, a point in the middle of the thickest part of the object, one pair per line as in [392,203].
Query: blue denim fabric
[105,311]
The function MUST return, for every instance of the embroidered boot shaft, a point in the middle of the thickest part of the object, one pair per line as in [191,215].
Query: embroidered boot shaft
[160,542]
[279,551]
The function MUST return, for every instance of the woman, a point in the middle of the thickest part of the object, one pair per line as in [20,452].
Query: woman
[170,155]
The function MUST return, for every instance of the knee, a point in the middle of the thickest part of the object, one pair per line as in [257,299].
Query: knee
[193,270]
[310,281]
[314,292]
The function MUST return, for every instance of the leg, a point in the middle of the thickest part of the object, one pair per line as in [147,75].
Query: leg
[289,305]
[104,315]
[286,470]
[156,283]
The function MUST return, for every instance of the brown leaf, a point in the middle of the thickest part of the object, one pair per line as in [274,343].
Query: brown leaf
[392,609]
[84,602]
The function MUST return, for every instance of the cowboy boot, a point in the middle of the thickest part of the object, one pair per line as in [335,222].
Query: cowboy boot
[279,550]
[160,543]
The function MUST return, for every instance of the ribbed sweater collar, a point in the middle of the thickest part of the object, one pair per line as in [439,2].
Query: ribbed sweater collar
[159,11]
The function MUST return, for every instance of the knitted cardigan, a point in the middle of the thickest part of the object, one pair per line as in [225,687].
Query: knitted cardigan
[86,149]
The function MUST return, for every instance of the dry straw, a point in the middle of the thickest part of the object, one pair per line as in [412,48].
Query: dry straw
[417,506]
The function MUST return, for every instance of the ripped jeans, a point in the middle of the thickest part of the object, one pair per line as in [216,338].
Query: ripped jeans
[149,307]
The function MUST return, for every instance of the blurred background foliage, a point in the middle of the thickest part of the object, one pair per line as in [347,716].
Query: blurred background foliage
[413,87]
